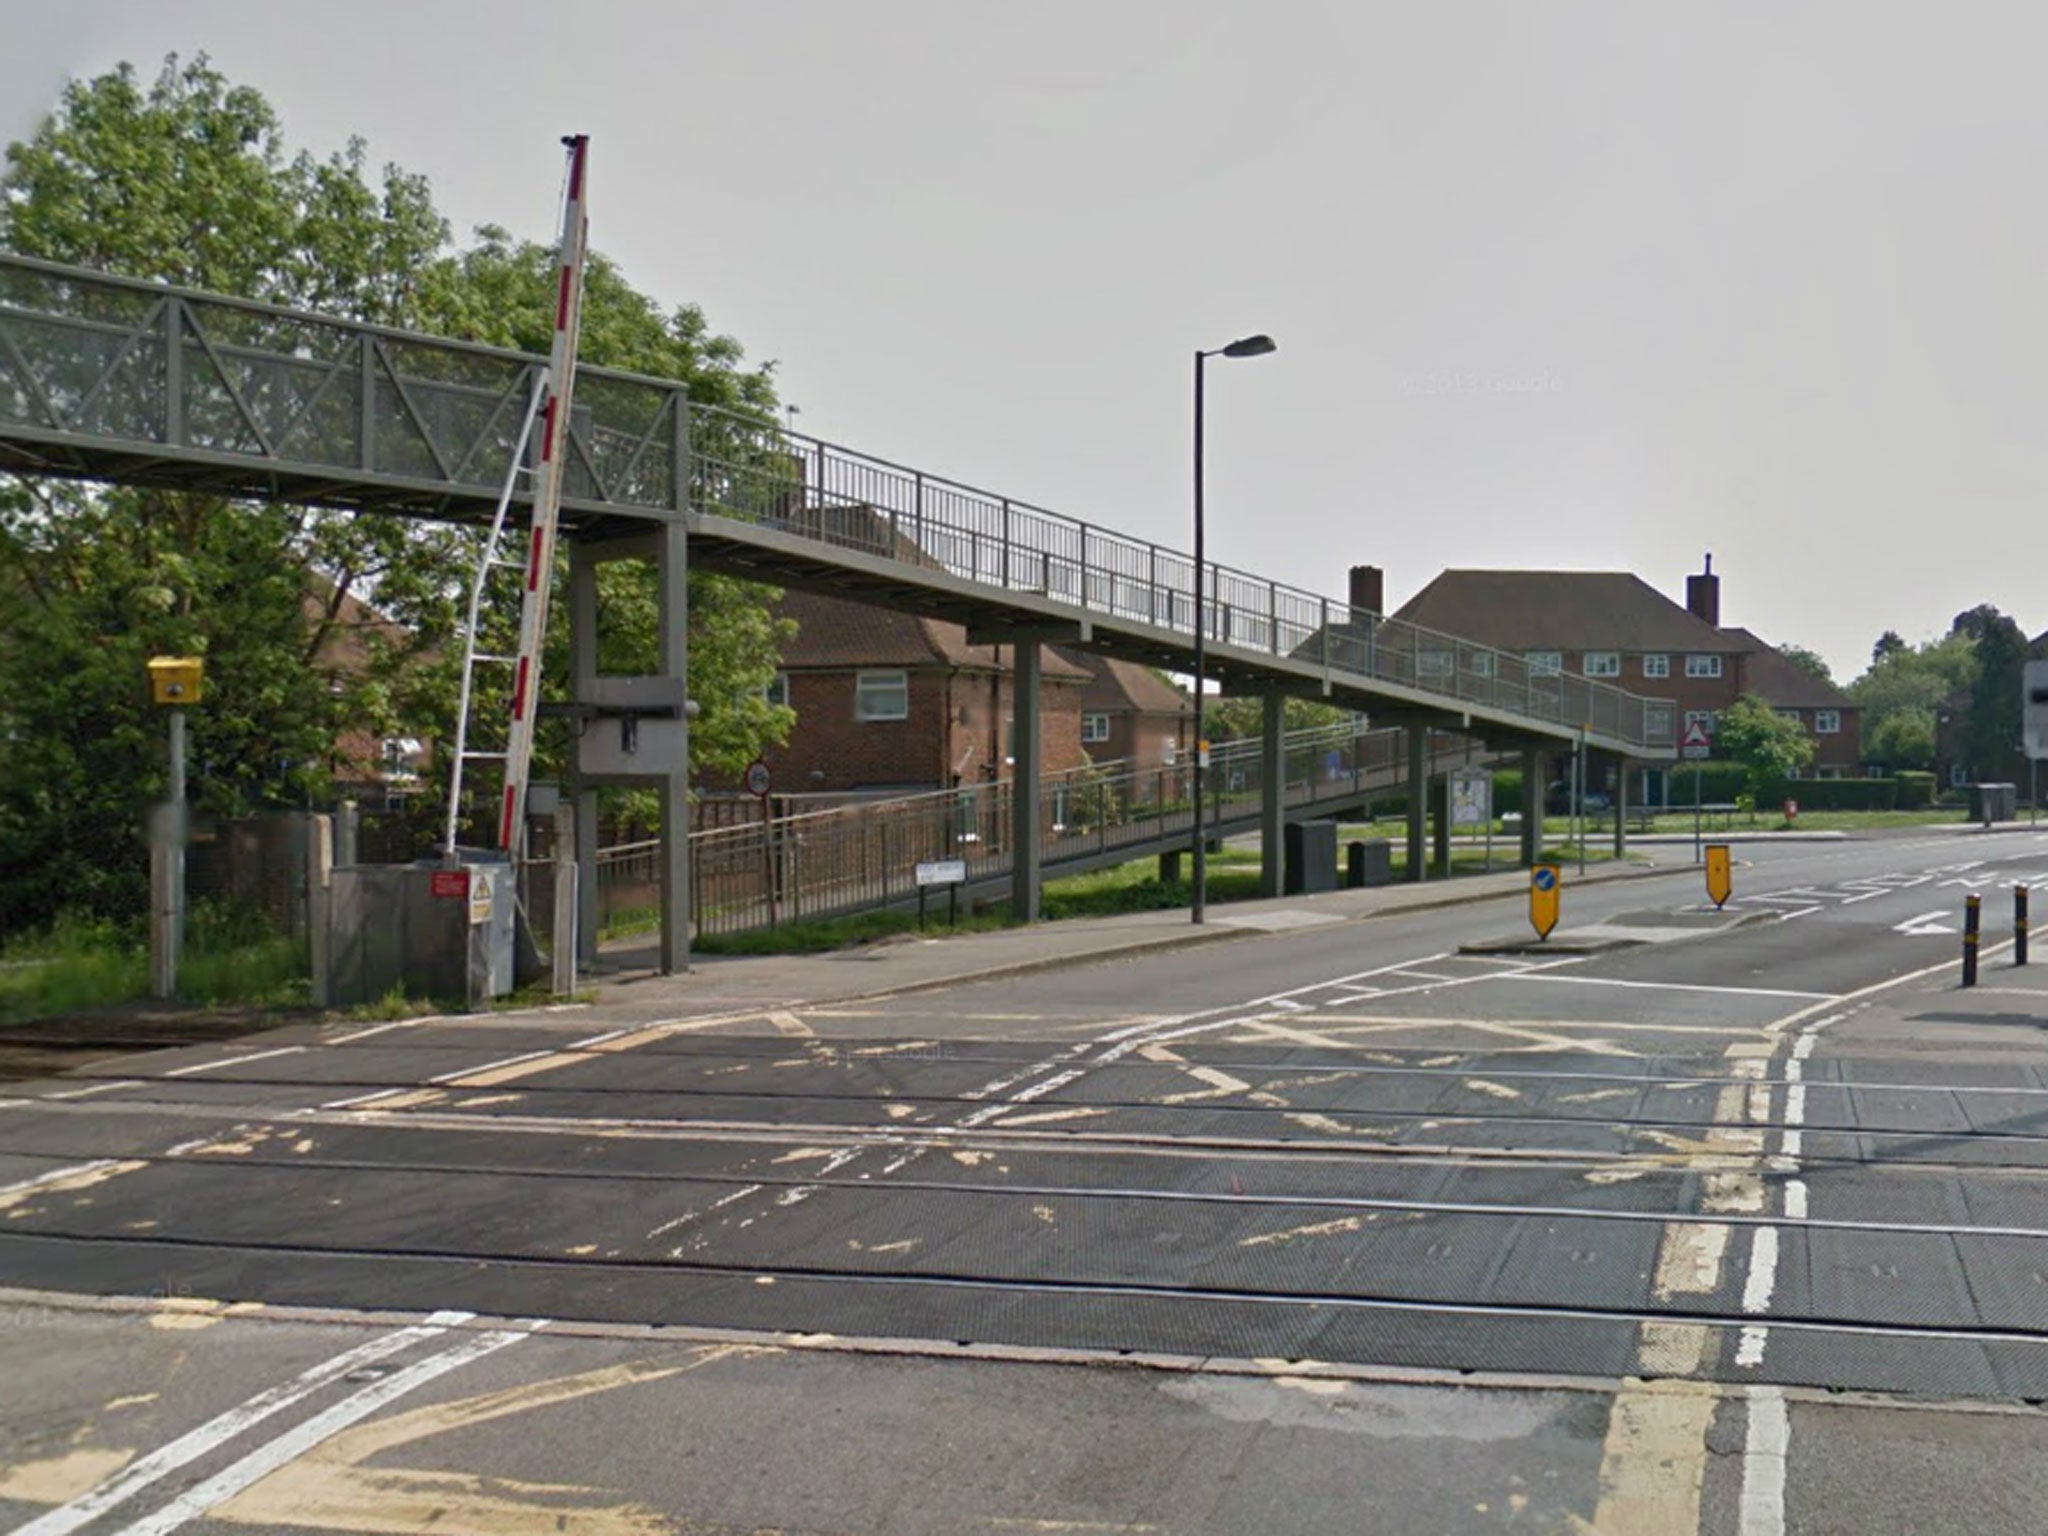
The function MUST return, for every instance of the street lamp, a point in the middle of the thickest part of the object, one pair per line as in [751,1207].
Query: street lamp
[1244,346]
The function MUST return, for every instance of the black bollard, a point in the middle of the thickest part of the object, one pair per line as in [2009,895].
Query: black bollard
[1971,906]
[2019,925]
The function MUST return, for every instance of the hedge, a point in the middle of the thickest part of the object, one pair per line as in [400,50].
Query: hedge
[1832,794]
[1916,790]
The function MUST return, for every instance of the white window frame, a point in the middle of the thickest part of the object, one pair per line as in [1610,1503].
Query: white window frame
[1094,728]
[866,684]
[1481,664]
[1600,663]
[1703,666]
[1697,716]
[1827,722]
[1435,663]
[776,694]
[1544,663]
[1656,664]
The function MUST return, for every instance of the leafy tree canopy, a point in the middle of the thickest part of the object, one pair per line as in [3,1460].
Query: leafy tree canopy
[189,180]
[1767,744]
[1807,661]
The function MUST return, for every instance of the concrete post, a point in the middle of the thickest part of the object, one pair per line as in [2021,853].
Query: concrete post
[1026,822]
[1440,824]
[563,944]
[583,668]
[1418,797]
[672,576]
[1620,806]
[320,858]
[1533,786]
[348,820]
[1273,795]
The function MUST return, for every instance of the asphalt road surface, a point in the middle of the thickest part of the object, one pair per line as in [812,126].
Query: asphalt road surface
[1739,1226]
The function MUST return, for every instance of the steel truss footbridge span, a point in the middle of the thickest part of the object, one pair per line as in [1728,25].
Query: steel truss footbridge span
[109,379]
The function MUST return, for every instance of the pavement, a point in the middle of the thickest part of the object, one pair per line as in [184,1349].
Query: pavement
[1741,1229]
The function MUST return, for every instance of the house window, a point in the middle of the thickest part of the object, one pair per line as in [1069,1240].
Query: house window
[1481,663]
[1545,663]
[1702,666]
[1704,717]
[1169,749]
[1656,666]
[1602,663]
[1436,663]
[776,694]
[1827,722]
[1790,714]
[881,696]
[1094,728]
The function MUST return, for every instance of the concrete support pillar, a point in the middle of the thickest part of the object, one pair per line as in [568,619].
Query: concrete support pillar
[1440,824]
[583,670]
[1621,766]
[672,581]
[1534,783]
[1027,822]
[1273,795]
[1418,797]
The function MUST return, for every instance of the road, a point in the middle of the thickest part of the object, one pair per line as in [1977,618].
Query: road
[1740,1227]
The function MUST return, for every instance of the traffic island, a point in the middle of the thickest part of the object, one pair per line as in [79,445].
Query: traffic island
[1624,931]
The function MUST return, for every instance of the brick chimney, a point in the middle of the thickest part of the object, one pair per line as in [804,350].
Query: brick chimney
[1703,595]
[1369,588]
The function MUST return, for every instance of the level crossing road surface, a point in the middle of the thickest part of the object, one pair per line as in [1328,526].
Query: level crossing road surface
[1387,1225]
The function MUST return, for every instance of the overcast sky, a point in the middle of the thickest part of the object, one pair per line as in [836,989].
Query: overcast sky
[1587,286]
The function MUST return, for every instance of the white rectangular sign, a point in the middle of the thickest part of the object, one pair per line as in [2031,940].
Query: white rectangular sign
[942,872]
[2034,709]
[1471,797]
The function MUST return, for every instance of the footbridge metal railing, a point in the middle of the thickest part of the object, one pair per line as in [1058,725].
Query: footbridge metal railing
[864,855]
[113,379]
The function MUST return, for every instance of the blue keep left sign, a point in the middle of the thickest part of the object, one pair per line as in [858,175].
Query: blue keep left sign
[1545,879]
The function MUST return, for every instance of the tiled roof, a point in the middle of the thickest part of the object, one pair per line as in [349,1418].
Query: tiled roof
[1561,611]
[1775,680]
[834,633]
[1114,684]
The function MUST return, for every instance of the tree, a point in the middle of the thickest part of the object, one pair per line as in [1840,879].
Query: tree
[188,181]
[1767,744]
[1903,691]
[1807,661]
[1889,644]
[1989,740]
[1235,719]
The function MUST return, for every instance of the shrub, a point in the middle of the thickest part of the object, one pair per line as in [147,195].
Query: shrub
[1916,790]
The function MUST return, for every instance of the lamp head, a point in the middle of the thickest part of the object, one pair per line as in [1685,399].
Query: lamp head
[1250,346]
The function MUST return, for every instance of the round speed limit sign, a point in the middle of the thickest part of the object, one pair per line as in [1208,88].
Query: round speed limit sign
[757,777]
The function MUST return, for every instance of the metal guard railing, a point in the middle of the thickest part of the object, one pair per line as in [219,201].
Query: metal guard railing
[863,855]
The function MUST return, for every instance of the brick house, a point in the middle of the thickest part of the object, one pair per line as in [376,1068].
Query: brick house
[892,702]
[1130,714]
[1616,627]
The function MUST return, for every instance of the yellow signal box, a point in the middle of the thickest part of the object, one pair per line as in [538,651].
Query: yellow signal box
[176,679]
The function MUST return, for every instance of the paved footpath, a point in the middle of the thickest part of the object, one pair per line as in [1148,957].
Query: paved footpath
[1362,1220]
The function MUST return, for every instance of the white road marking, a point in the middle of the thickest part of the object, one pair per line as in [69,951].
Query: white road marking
[59,1175]
[492,1066]
[365,1098]
[232,1061]
[1766,1444]
[1763,1271]
[80,1093]
[295,1442]
[374,1029]
[217,1431]
[1663,986]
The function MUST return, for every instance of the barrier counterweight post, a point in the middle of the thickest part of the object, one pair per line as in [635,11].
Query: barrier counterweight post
[1972,911]
[2019,925]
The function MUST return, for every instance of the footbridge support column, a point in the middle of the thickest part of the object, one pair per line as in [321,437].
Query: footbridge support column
[1027,824]
[1418,798]
[1534,784]
[1273,795]
[1621,768]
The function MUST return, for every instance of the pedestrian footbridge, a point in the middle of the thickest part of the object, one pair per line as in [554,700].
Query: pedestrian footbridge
[108,379]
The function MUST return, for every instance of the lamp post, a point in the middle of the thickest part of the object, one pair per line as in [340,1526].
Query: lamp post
[1244,346]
